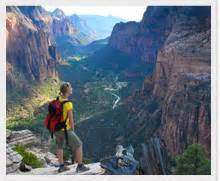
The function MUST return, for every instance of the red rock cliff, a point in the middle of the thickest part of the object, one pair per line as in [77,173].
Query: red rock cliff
[182,80]
[29,50]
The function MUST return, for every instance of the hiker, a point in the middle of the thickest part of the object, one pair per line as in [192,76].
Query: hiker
[66,133]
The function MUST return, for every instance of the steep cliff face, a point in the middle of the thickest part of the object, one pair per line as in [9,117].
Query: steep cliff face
[182,81]
[143,39]
[31,63]
[29,50]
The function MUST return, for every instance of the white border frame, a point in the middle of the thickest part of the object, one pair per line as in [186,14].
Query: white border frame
[214,88]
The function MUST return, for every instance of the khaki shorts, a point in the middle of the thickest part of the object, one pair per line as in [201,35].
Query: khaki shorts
[73,140]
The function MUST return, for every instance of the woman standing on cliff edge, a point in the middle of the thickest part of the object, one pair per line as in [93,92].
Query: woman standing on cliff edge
[74,141]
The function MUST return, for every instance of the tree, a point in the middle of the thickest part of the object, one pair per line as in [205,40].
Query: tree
[193,161]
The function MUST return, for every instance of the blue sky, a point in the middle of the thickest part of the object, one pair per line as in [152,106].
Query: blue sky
[131,13]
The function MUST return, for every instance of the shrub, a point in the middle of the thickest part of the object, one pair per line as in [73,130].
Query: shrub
[28,157]
[193,161]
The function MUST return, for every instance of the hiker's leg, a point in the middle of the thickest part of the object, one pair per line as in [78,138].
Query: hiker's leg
[79,154]
[73,156]
[60,144]
[60,156]
[76,144]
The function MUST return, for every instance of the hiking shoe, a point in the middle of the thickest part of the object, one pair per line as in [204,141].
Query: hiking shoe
[82,168]
[63,169]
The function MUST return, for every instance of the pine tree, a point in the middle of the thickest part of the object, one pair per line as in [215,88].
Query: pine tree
[193,161]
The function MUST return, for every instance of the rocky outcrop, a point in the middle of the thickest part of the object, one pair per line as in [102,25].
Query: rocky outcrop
[13,160]
[27,138]
[48,158]
[122,163]
[95,169]
[153,160]
[23,137]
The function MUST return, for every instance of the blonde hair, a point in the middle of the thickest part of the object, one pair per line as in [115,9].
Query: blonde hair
[64,88]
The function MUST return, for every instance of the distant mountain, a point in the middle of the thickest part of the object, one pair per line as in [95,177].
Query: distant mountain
[92,47]
[66,32]
[58,13]
[82,25]
[102,25]
[142,39]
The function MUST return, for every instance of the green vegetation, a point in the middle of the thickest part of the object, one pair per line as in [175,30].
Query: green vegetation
[89,96]
[193,161]
[28,157]
[22,102]
[76,58]
[90,76]
[33,123]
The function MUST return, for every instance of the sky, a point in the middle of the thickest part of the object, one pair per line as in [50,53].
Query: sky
[131,13]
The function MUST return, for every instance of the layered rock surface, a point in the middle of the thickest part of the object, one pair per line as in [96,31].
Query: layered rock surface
[182,80]
[24,137]
[95,169]
[13,160]
[16,166]
[29,51]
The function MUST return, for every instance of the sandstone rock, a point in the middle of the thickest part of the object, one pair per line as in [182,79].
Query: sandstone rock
[13,160]
[25,168]
[51,159]
[143,39]
[153,160]
[8,133]
[28,49]
[48,158]
[182,80]
[23,137]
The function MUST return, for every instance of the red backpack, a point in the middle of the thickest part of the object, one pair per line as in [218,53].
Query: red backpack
[54,120]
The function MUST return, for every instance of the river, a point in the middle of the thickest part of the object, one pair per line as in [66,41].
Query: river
[119,85]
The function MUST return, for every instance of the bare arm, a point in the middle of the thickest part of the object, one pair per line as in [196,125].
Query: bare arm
[70,116]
